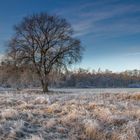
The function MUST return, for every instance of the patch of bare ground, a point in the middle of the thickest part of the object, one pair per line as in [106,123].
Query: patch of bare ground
[30,116]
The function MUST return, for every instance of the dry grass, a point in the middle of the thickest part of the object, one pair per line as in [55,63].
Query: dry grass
[134,96]
[9,113]
[31,116]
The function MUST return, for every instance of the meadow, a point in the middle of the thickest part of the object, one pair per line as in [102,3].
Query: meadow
[70,114]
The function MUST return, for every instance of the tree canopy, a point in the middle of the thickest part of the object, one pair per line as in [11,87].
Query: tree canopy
[47,42]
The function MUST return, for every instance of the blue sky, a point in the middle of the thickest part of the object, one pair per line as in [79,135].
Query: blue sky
[109,29]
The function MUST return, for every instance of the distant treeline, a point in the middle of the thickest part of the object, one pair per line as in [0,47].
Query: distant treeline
[12,76]
[22,76]
[83,78]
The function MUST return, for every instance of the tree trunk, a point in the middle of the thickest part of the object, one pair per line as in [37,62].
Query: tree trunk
[45,87]
[45,90]
[44,82]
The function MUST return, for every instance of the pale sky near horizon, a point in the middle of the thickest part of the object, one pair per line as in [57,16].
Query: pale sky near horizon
[109,29]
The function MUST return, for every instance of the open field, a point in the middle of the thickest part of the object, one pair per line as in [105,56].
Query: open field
[70,114]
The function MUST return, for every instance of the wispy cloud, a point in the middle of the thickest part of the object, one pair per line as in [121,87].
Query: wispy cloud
[105,19]
[133,54]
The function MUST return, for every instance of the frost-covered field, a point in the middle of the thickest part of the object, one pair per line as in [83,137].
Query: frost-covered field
[70,114]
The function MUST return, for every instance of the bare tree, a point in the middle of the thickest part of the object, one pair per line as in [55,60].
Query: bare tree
[46,42]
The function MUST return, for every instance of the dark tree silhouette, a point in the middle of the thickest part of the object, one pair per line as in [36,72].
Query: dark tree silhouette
[46,42]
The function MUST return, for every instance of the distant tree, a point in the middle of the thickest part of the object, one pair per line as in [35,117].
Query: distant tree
[46,42]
